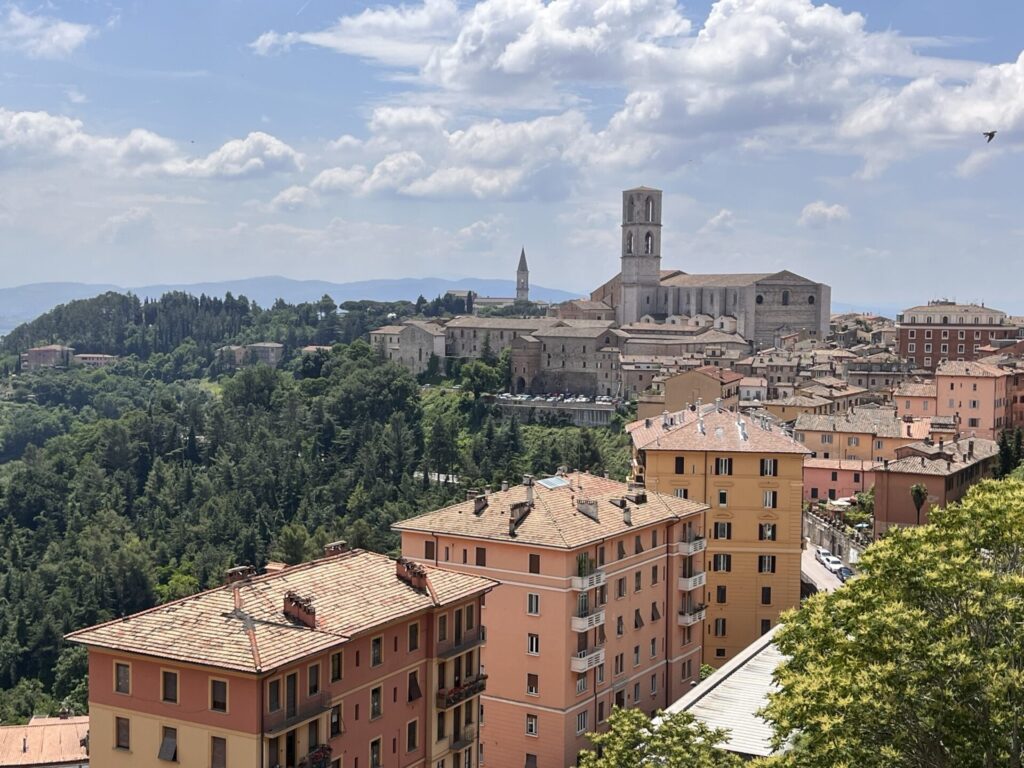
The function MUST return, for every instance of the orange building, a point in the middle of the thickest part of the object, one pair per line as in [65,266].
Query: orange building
[751,476]
[915,400]
[865,432]
[837,478]
[376,661]
[601,605]
[978,394]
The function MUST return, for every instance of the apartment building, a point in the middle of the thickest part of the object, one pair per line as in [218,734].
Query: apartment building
[938,331]
[751,476]
[915,399]
[601,605]
[978,393]
[352,660]
[837,478]
[707,383]
[865,432]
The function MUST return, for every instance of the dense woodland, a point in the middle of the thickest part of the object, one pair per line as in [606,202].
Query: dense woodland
[125,487]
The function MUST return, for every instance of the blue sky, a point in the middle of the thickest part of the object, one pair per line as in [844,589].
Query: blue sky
[188,141]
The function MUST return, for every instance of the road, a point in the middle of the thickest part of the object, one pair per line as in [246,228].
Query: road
[818,574]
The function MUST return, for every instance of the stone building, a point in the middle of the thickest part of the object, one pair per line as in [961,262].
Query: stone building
[411,344]
[50,356]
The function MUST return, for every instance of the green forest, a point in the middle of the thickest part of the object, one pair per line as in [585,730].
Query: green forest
[132,485]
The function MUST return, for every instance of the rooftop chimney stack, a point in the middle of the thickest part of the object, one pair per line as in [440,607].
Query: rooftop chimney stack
[627,515]
[300,609]
[528,483]
[335,547]
[413,574]
[504,485]
[970,449]
[479,504]
[238,573]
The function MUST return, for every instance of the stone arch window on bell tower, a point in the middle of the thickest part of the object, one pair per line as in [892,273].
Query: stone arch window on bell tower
[648,243]
[650,208]
[629,243]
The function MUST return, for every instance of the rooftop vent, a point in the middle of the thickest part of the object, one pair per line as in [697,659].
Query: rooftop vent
[336,547]
[299,609]
[619,502]
[638,496]
[587,507]
[504,485]
[413,574]
[238,573]
[479,504]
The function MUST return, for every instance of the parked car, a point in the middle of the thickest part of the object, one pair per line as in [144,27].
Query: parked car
[820,553]
[845,573]
[832,562]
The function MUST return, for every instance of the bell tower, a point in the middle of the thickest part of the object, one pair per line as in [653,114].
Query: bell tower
[522,278]
[641,254]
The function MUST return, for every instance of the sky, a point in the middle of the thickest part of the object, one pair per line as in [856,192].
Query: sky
[146,142]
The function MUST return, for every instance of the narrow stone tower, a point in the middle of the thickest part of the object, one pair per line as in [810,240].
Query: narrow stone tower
[641,254]
[522,278]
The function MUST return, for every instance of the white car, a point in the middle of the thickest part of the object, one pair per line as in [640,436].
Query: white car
[820,553]
[832,562]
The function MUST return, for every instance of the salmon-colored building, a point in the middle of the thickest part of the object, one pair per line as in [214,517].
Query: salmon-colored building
[978,393]
[837,478]
[865,432]
[601,605]
[947,470]
[352,660]
[750,474]
[915,399]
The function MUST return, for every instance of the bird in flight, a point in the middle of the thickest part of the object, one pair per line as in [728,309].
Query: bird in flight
[989,135]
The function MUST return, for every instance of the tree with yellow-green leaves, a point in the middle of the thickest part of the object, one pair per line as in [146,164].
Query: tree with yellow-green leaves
[919,661]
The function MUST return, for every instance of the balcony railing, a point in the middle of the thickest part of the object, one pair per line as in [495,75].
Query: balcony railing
[690,616]
[692,547]
[583,583]
[306,708]
[449,697]
[464,737]
[589,621]
[585,660]
[686,583]
[452,647]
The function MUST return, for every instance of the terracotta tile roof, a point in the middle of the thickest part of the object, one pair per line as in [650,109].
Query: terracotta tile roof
[856,465]
[801,401]
[554,520]
[960,368]
[879,422]
[392,329]
[915,389]
[753,381]
[696,281]
[502,323]
[50,741]
[242,626]
[721,432]
[724,375]
[931,459]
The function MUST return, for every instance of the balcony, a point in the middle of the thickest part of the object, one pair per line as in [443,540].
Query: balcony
[686,583]
[453,646]
[286,718]
[583,583]
[690,616]
[589,621]
[585,660]
[464,737]
[449,697]
[692,547]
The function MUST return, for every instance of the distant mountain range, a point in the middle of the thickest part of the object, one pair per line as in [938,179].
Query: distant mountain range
[26,302]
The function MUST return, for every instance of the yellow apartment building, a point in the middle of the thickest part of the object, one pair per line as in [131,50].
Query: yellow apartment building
[750,475]
[600,605]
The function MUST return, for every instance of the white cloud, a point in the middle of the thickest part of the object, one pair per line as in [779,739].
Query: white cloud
[42,37]
[294,198]
[339,179]
[820,214]
[131,226]
[401,36]
[723,221]
[75,96]
[256,154]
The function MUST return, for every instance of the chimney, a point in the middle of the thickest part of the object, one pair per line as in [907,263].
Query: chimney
[528,482]
[627,515]
[587,507]
[336,547]
[504,485]
[885,463]
[970,449]
[718,404]
[238,573]
[64,713]
[479,504]
[512,527]
[275,566]
[942,443]
[300,609]
[664,420]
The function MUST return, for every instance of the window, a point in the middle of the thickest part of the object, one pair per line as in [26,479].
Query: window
[531,725]
[169,745]
[620,587]
[219,695]
[654,538]
[336,667]
[654,646]
[682,493]
[719,629]
[600,673]
[533,644]
[911,347]
[313,733]
[534,563]
[723,498]
[766,531]
[123,734]
[169,685]
[122,678]
[376,651]
[853,441]
[440,726]
[620,664]
[336,720]
[680,465]
[470,617]
[428,550]
[636,655]
[414,637]
[654,574]
[274,695]
[785,298]
[766,564]
[766,625]
[411,736]
[313,674]
[636,691]
[769,467]
[621,549]
[814,493]
[375,754]
[638,581]
[722,563]
[533,604]
[771,499]
[442,627]
[720,593]
[218,752]
[826,439]
[638,547]
[723,466]
[581,683]
[766,595]
[638,620]
[376,703]
[481,557]
[620,626]
[581,721]
[414,686]
[723,530]
[532,685]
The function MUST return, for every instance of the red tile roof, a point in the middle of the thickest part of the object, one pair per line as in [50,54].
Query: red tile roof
[49,741]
